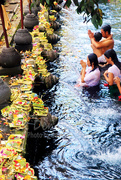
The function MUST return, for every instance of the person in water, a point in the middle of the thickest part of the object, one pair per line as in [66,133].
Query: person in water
[99,51]
[89,76]
[99,47]
[115,69]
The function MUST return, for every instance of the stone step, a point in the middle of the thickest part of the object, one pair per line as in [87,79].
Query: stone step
[11,8]
[10,15]
[14,1]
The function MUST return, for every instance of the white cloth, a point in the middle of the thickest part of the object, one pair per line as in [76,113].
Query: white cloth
[91,78]
[102,59]
[115,71]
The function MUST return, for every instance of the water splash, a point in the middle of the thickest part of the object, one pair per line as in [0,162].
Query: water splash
[113,158]
[88,132]
[76,91]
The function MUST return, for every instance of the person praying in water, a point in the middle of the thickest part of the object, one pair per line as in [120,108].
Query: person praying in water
[97,51]
[89,76]
[100,46]
[115,69]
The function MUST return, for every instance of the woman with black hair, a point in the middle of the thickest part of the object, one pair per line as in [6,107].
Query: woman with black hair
[90,76]
[115,69]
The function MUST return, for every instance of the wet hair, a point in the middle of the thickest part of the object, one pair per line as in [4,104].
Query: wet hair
[106,28]
[98,36]
[112,54]
[93,59]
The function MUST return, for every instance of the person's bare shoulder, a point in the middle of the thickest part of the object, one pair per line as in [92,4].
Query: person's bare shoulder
[105,43]
[109,38]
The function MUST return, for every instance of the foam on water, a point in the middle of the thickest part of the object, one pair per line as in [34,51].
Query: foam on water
[113,158]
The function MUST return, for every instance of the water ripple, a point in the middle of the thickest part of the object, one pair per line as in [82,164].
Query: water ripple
[86,142]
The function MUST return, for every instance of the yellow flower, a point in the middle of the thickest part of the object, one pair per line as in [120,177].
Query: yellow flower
[55,3]
[27,177]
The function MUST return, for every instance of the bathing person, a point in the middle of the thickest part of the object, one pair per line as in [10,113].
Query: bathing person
[106,43]
[89,76]
[115,69]
[99,51]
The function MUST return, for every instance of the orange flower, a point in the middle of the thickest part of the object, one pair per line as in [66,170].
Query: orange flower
[55,3]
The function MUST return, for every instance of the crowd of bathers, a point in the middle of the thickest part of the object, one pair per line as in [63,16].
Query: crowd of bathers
[103,54]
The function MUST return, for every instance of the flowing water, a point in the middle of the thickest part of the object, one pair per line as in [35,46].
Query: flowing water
[86,142]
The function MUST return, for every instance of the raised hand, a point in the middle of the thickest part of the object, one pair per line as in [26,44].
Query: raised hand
[90,34]
[83,64]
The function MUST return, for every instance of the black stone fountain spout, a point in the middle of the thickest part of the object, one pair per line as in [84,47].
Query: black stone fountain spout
[57,8]
[55,25]
[55,13]
[52,38]
[4,94]
[42,83]
[50,55]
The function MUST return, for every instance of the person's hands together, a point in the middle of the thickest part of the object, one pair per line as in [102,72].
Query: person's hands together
[81,61]
[83,64]
[90,34]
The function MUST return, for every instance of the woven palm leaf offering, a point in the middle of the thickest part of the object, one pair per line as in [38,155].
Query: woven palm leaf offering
[16,144]
[14,165]
[52,18]
[44,47]
[7,156]
[18,111]
[38,106]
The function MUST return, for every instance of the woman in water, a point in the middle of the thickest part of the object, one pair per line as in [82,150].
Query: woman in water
[115,69]
[90,76]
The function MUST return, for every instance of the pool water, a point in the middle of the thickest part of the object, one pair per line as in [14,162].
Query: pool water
[86,142]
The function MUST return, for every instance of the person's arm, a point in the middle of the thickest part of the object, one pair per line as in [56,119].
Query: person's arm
[110,37]
[90,76]
[83,71]
[101,44]
[90,34]
[109,77]
[83,75]
[93,47]
[117,81]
